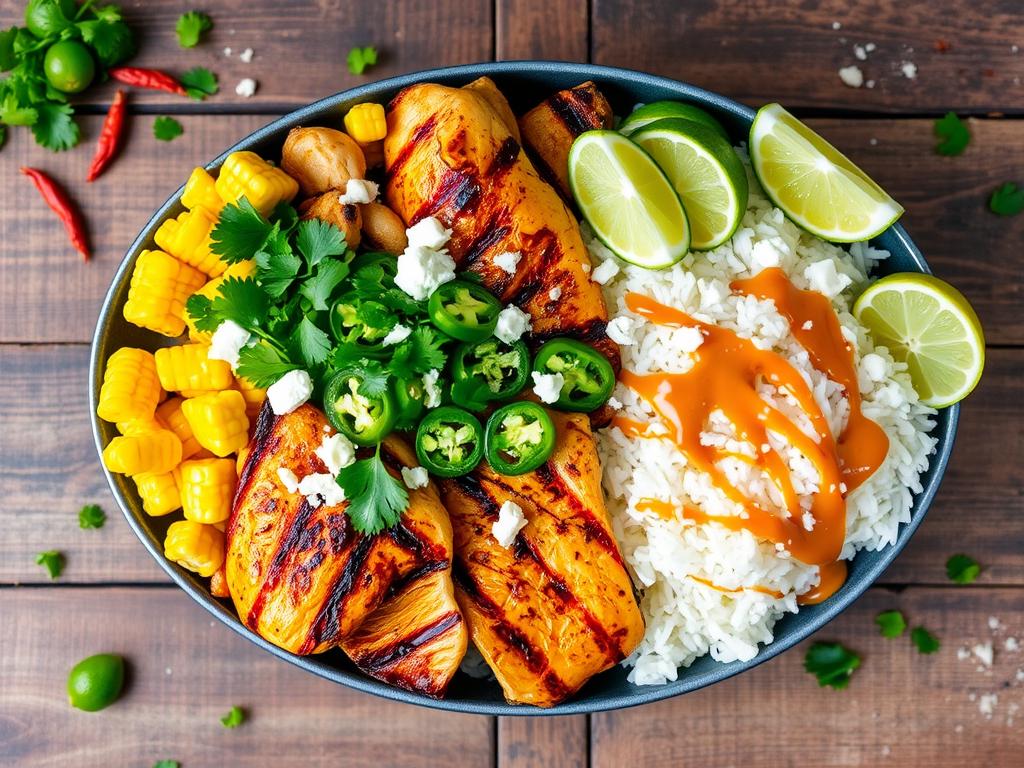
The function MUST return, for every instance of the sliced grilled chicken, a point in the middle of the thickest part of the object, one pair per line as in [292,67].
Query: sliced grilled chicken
[556,607]
[300,575]
[452,153]
[550,128]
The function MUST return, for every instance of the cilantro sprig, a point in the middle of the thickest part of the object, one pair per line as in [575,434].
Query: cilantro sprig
[962,569]
[831,663]
[166,128]
[234,718]
[376,499]
[91,516]
[199,82]
[190,28]
[953,134]
[891,623]
[52,561]
[1007,199]
[925,641]
[360,58]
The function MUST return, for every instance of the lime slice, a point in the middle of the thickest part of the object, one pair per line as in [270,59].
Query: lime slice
[662,110]
[931,326]
[706,172]
[814,183]
[628,201]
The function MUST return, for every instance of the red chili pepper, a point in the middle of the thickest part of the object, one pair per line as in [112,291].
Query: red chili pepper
[147,78]
[110,137]
[63,206]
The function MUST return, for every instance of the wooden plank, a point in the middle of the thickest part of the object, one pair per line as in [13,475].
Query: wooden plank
[945,200]
[186,671]
[299,47]
[543,742]
[964,53]
[49,468]
[541,29]
[901,708]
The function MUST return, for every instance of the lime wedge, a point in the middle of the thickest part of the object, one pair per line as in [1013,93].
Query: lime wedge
[662,110]
[627,200]
[706,172]
[813,183]
[931,326]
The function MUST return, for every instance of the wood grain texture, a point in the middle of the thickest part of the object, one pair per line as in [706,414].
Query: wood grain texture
[541,29]
[49,468]
[900,709]
[790,52]
[945,197]
[543,742]
[186,671]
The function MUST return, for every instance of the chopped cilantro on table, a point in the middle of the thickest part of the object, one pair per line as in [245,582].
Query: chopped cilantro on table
[91,516]
[953,134]
[891,623]
[166,764]
[359,58]
[962,569]
[199,82]
[1007,200]
[52,561]
[925,641]
[190,28]
[831,663]
[234,718]
[167,128]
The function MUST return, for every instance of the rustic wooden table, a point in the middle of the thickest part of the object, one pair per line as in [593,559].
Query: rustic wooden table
[186,670]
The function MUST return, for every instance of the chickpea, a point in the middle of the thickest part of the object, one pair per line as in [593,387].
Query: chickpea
[321,159]
[327,208]
[383,228]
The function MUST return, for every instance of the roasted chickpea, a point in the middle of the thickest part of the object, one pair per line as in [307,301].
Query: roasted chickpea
[321,159]
[374,154]
[328,208]
[383,228]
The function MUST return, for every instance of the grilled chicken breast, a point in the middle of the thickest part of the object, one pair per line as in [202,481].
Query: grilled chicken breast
[557,607]
[453,153]
[304,579]
[550,128]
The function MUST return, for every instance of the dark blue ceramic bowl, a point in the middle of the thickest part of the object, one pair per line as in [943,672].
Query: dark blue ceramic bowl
[525,84]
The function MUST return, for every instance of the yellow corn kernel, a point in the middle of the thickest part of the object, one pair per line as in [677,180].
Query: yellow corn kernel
[161,494]
[154,452]
[201,190]
[218,421]
[366,123]
[143,426]
[170,414]
[246,174]
[207,487]
[254,398]
[243,456]
[130,388]
[188,238]
[159,288]
[188,369]
[197,547]
[211,290]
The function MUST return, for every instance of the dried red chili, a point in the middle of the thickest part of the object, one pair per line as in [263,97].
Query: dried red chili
[147,78]
[110,137]
[63,206]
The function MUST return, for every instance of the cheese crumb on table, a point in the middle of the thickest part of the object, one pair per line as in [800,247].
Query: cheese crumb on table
[983,651]
[289,392]
[508,261]
[548,386]
[415,477]
[852,76]
[909,70]
[512,324]
[246,55]
[510,522]
[246,87]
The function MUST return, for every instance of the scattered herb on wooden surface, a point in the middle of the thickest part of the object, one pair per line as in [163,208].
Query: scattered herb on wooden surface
[199,82]
[360,58]
[167,128]
[234,718]
[891,623]
[925,641]
[52,561]
[190,28]
[91,516]
[1007,200]
[831,663]
[962,569]
[166,764]
[953,134]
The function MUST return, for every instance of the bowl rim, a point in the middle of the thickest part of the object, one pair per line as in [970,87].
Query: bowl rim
[581,703]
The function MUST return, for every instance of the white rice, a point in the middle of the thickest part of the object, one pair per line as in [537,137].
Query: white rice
[685,618]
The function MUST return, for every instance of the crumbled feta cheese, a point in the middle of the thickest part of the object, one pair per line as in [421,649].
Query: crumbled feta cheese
[359,191]
[808,520]
[246,87]
[555,293]
[508,261]
[869,47]
[421,270]
[909,70]
[622,329]
[289,479]
[396,335]
[836,25]
[415,477]
[586,268]
[432,392]
[336,452]
[987,704]
[871,84]
[510,522]
[605,271]
[246,55]
[860,52]
[994,624]
[983,652]
[852,76]
[321,488]
[1014,48]
[824,278]
[227,342]
[548,386]
[808,325]
[962,653]
[289,392]
[227,51]
[615,404]
[1011,644]
[428,233]
[512,324]
[873,141]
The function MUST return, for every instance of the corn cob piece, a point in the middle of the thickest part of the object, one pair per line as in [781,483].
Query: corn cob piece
[218,421]
[188,369]
[207,488]
[130,387]
[188,238]
[158,291]
[246,174]
[201,190]
[160,493]
[366,123]
[154,452]
[195,546]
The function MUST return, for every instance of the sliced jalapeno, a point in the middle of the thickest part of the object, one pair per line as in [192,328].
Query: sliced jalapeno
[488,371]
[409,399]
[363,420]
[465,311]
[589,377]
[519,438]
[449,442]
[361,324]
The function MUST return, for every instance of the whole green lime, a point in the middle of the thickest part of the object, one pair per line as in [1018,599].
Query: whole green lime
[96,682]
[69,66]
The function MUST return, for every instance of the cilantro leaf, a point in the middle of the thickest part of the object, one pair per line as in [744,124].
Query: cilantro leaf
[167,128]
[240,232]
[113,41]
[91,516]
[55,129]
[243,301]
[891,623]
[46,18]
[236,716]
[1007,200]
[314,345]
[200,309]
[376,500]
[166,764]
[925,641]
[319,239]
[277,270]
[199,82]
[52,561]
[361,58]
[831,663]
[8,58]
[953,134]
[374,379]
[262,365]
[320,286]
[107,13]
[190,28]
[14,112]
[420,352]
[962,569]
